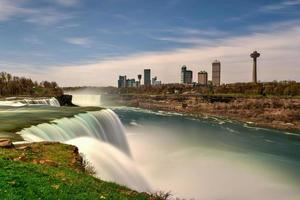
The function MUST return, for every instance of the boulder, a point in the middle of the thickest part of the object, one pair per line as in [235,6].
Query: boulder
[6,143]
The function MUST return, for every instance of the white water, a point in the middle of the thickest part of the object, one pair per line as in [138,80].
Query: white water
[51,102]
[86,100]
[100,137]
[110,163]
[11,103]
[19,103]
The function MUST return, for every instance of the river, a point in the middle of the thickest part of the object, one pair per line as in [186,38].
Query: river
[205,159]
[213,158]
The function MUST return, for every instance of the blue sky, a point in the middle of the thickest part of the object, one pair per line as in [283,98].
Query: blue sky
[50,38]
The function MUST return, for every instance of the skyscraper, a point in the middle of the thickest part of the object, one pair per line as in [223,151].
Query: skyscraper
[202,78]
[122,82]
[147,77]
[186,75]
[216,73]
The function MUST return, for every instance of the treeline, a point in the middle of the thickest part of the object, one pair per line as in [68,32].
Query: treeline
[282,88]
[18,86]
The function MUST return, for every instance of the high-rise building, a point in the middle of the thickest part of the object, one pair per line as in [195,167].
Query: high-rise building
[147,77]
[131,83]
[122,82]
[186,75]
[202,78]
[216,73]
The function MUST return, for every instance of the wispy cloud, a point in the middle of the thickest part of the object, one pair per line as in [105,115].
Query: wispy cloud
[80,41]
[279,61]
[33,40]
[186,40]
[191,36]
[67,2]
[47,17]
[282,5]
[10,9]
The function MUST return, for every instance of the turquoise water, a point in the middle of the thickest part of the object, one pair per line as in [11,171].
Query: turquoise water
[208,158]
[212,158]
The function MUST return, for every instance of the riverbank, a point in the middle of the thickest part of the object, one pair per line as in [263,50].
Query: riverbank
[50,170]
[273,112]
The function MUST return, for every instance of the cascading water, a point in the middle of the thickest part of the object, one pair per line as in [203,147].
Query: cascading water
[100,137]
[86,100]
[51,102]
[19,103]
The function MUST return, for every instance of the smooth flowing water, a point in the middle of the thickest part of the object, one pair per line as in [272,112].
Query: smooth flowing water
[204,159]
[213,158]
[100,137]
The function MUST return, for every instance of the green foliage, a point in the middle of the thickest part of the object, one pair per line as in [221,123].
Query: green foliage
[16,86]
[283,88]
[48,171]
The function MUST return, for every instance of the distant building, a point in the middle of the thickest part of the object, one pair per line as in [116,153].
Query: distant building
[122,82]
[131,83]
[254,56]
[202,78]
[155,81]
[147,77]
[140,80]
[216,73]
[186,75]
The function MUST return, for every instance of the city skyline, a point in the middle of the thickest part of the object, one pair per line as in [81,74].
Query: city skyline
[91,42]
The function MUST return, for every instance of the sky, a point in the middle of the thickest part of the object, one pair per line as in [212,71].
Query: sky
[92,42]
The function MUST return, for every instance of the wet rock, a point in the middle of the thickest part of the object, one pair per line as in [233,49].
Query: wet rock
[6,143]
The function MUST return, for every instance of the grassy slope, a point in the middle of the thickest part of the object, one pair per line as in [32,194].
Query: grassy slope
[53,171]
[15,119]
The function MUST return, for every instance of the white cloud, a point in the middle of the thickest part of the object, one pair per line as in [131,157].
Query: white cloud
[10,9]
[279,6]
[279,61]
[186,40]
[47,17]
[81,41]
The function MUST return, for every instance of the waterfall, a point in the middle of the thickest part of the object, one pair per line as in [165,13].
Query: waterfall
[86,100]
[19,103]
[51,102]
[111,164]
[100,137]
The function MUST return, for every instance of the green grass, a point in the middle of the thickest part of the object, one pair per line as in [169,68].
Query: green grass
[15,119]
[54,171]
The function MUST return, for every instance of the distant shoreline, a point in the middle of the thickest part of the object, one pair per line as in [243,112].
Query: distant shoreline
[275,113]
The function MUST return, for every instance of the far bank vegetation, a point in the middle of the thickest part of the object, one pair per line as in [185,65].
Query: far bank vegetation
[20,86]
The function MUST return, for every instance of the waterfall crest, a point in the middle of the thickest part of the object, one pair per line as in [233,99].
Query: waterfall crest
[86,100]
[101,138]
[103,125]
[51,102]
[19,103]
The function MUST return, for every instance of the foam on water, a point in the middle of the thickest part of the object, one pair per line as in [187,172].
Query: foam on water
[100,137]
[20,103]
[86,100]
